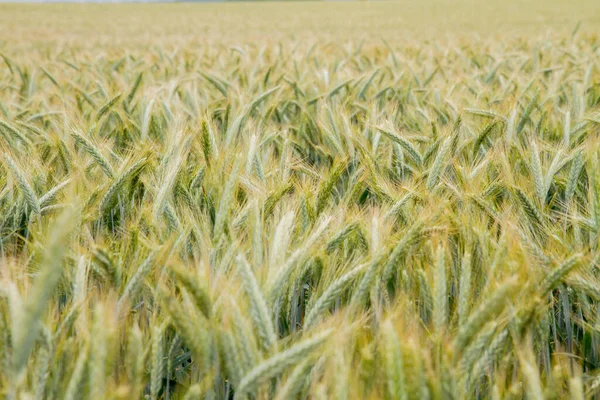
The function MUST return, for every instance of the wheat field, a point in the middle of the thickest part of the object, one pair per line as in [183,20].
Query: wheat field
[368,200]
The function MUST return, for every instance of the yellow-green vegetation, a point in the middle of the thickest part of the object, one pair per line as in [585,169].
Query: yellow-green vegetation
[300,201]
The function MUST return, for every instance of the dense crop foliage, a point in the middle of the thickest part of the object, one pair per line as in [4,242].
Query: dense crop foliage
[296,217]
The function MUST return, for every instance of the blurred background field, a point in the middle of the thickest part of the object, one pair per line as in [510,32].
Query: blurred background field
[260,22]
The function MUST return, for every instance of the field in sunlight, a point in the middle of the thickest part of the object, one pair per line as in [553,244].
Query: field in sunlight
[366,200]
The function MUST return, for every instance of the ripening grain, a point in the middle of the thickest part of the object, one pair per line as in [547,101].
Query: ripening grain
[391,200]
